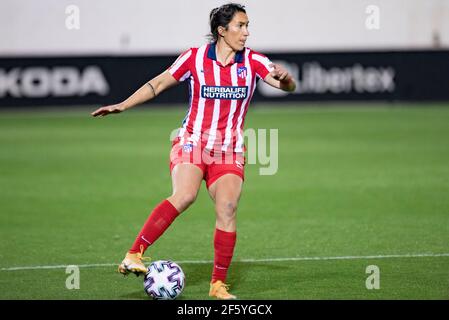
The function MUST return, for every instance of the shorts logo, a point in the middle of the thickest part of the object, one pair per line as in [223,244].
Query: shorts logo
[239,164]
[224,92]
[241,72]
[187,147]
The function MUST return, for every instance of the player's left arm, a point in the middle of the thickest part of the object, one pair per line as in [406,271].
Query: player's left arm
[280,78]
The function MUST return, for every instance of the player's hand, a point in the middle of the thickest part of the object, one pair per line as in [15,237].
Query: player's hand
[279,72]
[104,111]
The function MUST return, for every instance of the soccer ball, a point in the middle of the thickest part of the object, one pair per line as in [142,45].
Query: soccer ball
[164,280]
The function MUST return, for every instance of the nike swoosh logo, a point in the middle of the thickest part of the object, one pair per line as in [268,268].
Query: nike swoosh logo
[143,238]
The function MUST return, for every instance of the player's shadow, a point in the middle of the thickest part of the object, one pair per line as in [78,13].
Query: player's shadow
[197,274]
[239,272]
[242,273]
[135,295]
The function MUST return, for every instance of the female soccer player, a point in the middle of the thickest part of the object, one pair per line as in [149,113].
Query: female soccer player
[209,145]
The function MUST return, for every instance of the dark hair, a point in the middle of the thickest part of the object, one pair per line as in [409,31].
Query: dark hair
[221,16]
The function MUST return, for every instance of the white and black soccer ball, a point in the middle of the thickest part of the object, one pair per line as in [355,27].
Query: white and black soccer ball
[164,280]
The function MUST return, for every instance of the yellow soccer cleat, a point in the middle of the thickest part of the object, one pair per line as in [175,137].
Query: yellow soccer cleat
[133,264]
[219,290]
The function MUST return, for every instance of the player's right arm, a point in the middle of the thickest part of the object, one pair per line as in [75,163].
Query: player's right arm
[145,93]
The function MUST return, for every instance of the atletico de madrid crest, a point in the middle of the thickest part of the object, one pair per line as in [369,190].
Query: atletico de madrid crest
[188,147]
[241,72]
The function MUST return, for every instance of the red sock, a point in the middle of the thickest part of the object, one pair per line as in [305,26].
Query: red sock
[158,221]
[224,243]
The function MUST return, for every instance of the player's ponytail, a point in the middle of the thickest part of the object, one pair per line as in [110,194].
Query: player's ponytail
[221,16]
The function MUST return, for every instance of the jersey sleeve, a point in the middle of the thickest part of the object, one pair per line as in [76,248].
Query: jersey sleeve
[180,69]
[261,65]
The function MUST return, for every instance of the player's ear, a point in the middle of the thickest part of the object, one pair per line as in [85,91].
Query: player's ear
[221,31]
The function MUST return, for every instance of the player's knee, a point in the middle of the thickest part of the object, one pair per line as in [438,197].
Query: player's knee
[187,198]
[226,209]
[182,200]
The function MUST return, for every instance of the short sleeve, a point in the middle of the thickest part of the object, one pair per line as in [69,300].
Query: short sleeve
[261,64]
[180,69]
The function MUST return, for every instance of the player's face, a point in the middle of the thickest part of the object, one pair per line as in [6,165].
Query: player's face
[237,32]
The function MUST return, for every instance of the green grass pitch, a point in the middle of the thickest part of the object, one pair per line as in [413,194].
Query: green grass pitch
[353,182]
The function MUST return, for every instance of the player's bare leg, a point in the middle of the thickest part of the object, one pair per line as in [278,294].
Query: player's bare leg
[226,194]
[186,180]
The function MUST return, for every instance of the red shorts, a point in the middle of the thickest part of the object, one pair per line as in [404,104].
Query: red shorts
[212,164]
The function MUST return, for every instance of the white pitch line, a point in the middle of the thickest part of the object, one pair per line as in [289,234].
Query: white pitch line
[388,256]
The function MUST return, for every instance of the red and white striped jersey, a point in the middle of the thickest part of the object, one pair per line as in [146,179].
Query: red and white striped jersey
[219,95]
